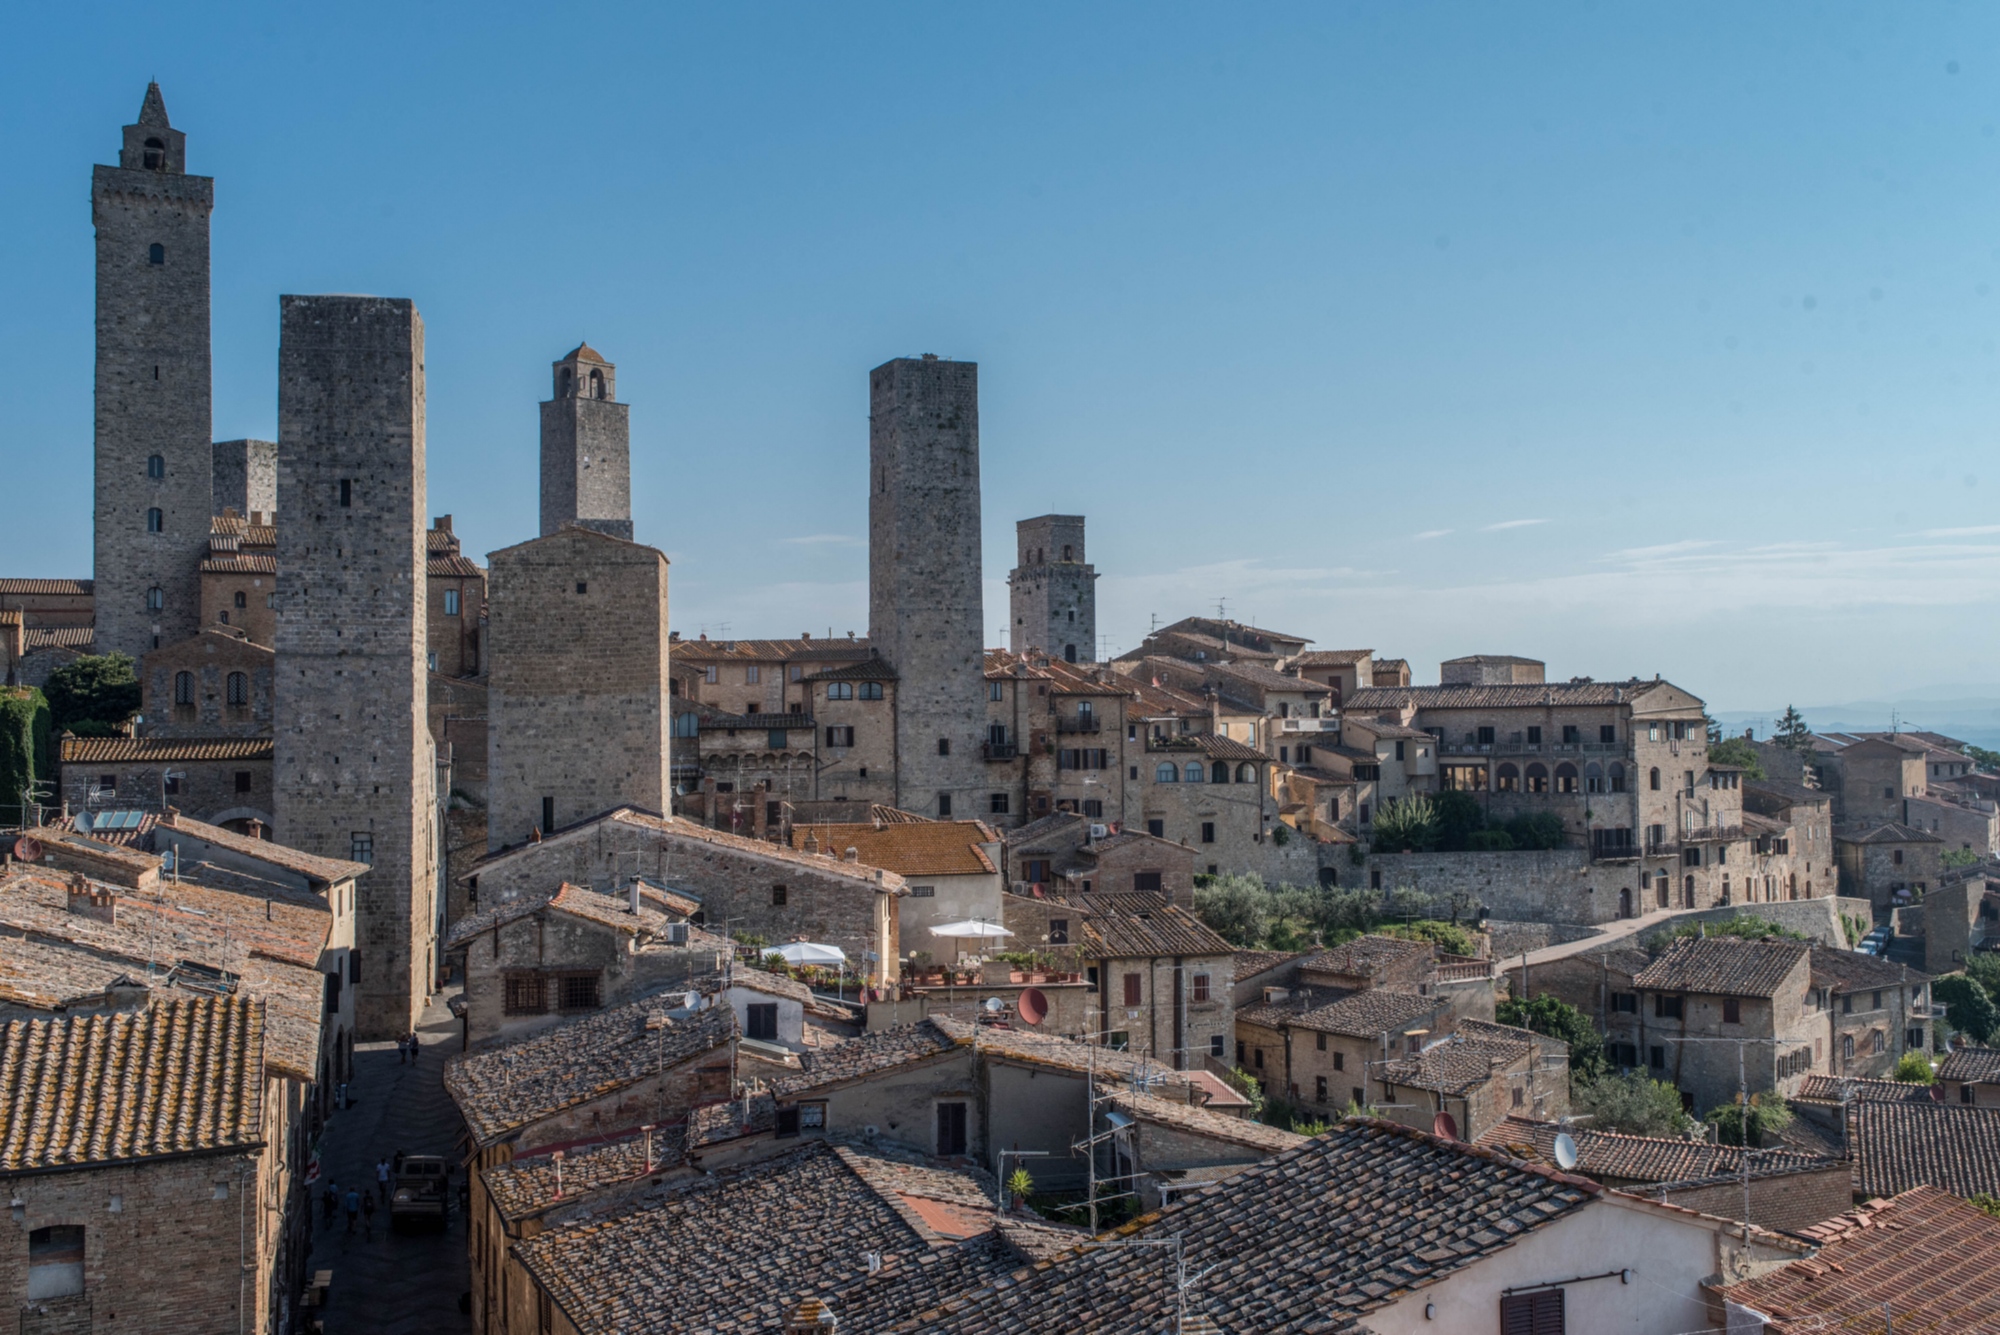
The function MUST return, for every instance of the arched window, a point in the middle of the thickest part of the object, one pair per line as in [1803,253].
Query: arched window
[1617,777]
[1066,555]
[1507,778]
[1653,779]
[1847,1046]
[156,254]
[568,380]
[1219,773]
[1196,772]
[1593,777]
[596,383]
[1246,773]
[156,520]
[1538,778]
[239,690]
[1167,772]
[156,598]
[154,156]
[156,466]
[1565,777]
[184,688]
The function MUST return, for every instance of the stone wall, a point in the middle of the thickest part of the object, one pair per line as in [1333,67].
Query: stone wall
[245,476]
[217,792]
[576,683]
[1517,938]
[925,596]
[1785,1202]
[354,763]
[211,659]
[586,452]
[152,391]
[1053,591]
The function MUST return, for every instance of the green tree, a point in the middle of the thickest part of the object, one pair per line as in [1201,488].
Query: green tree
[1555,1017]
[1456,816]
[1237,907]
[1746,925]
[1915,1068]
[1768,1116]
[1984,969]
[1406,825]
[1792,732]
[1958,857]
[1448,937]
[1543,829]
[1635,1104]
[24,750]
[1247,1085]
[94,694]
[1967,1007]
[1984,759]
[1736,751]
[1986,1204]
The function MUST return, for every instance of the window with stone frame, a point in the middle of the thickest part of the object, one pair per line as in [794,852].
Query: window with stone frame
[527,994]
[579,992]
[1198,985]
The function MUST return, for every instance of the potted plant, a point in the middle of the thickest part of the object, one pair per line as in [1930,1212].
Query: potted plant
[1019,1185]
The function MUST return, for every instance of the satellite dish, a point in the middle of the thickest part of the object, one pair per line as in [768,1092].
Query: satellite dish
[1444,1126]
[1565,1151]
[994,1005]
[1034,1007]
[28,848]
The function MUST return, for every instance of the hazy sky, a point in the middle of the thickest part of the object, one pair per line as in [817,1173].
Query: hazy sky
[1636,338]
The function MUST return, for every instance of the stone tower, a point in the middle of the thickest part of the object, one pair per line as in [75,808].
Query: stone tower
[353,774]
[152,415]
[1054,591]
[925,608]
[577,715]
[246,476]
[586,449]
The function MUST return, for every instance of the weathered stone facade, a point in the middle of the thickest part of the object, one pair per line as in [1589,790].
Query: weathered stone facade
[577,683]
[925,600]
[212,684]
[456,606]
[586,449]
[154,465]
[246,476]
[1054,590]
[221,781]
[354,760]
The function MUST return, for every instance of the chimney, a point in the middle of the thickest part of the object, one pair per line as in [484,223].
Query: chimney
[853,854]
[254,828]
[256,519]
[632,904]
[811,1317]
[811,843]
[90,900]
[444,523]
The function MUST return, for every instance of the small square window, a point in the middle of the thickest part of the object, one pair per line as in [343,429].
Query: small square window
[778,896]
[583,586]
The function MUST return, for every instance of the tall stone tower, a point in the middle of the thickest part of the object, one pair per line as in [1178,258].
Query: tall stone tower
[577,712]
[246,476]
[586,449]
[1054,591]
[153,413]
[353,773]
[924,591]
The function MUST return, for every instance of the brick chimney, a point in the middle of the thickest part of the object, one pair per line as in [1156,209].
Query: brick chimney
[92,900]
[853,854]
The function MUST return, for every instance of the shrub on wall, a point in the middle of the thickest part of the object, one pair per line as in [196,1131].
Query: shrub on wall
[24,750]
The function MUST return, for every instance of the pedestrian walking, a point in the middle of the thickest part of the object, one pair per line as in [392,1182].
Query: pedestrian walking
[329,1201]
[368,1218]
[382,1179]
[353,1207]
[414,1046]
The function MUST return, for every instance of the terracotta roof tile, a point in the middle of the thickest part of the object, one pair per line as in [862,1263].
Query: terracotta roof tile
[159,750]
[1724,966]
[1971,1064]
[1891,832]
[909,848]
[1842,1088]
[1613,1154]
[58,637]
[239,563]
[1367,956]
[42,587]
[882,1050]
[326,870]
[1180,1115]
[177,1078]
[1525,696]
[1897,1146]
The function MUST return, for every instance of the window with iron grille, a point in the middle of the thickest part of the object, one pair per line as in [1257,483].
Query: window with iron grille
[527,994]
[580,992]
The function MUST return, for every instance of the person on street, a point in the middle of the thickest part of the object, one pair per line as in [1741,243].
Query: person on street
[368,1218]
[353,1207]
[329,1201]
[382,1179]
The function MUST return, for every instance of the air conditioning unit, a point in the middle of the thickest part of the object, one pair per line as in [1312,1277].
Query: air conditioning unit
[677,933]
[1100,831]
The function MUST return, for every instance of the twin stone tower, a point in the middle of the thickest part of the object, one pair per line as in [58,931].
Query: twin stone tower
[354,766]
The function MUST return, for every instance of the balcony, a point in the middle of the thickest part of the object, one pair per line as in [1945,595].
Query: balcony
[1082,723]
[1713,834]
[1001,750]
[1308,725]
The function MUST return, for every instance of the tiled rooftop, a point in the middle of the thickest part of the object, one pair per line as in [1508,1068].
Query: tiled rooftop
[611,911]
[502,1090]
[1724,966]
[1852,971]
[1310,1241]
[1367,956]
[1459,1063]
[1192,1119]
[882,1050]
[908,848]
[34,587]
[1891,832]
[1613,1154]
[1331,657]
[1841,1088]
[1159,930]
[1897,1146]
[325,870]
[177,1078]
[1971,1064]
[158,750]
[528,1186]
[1929,1259]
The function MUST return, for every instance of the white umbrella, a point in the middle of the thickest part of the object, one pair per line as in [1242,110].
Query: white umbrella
[972,927]
[810,952]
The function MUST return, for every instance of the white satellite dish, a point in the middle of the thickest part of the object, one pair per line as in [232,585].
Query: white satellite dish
[994,1005]
[1565,1151]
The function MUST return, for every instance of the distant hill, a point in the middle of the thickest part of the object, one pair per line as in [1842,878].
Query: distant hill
[1965,712]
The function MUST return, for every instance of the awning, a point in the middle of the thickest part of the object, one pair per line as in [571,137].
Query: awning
[809,952]
[972,927]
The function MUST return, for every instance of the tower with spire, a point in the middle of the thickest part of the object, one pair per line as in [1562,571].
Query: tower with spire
[153,458]
[586,448]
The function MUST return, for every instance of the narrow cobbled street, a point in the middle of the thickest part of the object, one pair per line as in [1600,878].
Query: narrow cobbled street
[396,1283]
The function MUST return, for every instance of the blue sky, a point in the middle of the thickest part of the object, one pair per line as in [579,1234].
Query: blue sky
[1638,339]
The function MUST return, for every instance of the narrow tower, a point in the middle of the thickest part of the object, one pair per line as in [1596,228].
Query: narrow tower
[586,449]
[1054,590]
[354,773]
[924,592]
[152,416]
[246,476]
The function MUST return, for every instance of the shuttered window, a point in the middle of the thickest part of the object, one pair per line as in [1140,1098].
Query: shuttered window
[1538,1313]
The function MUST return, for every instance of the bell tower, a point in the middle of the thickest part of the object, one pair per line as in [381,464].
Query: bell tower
[586,448]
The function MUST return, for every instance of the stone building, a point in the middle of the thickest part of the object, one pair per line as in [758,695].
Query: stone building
[1888,864]
[952,868]
[586,449]
[354,763]
[246,477]
[1480,1075]
[577,704]
[1054,590]
[154,459]
[925,608]
[1323,1048]
[1217,640]
[1492,670]
[455,606]
[222,780]
[239,576]
[217,683]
